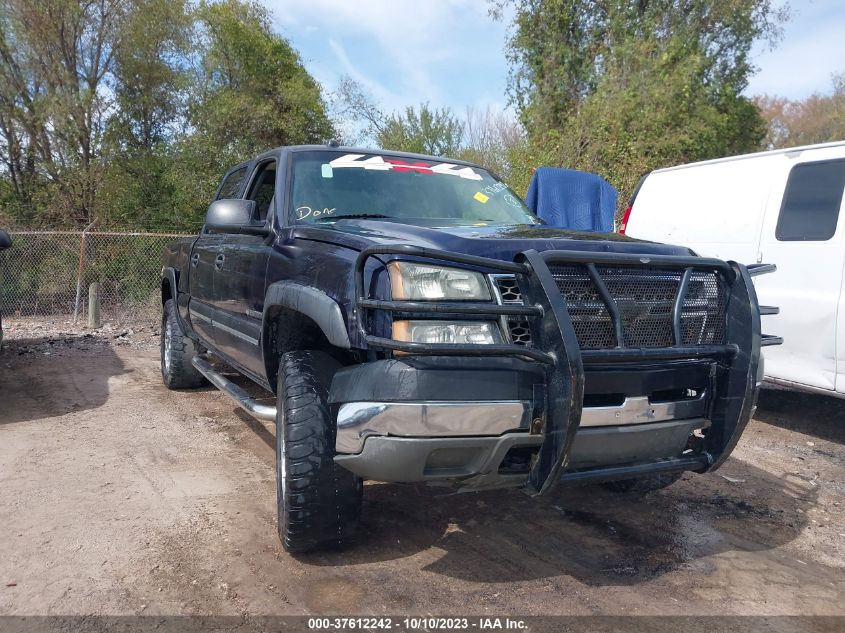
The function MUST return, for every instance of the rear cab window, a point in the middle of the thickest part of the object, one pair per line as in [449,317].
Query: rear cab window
[811,202]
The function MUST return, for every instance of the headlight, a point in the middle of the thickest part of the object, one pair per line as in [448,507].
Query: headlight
[475,332]
[413,282]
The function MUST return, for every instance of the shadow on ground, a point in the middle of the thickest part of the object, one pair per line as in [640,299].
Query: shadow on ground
[817,415]
[597,536]
[33,385]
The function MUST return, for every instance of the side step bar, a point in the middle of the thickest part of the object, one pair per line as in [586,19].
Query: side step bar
[239,396]
[610,473]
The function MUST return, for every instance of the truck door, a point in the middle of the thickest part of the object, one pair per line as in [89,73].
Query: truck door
[205,260]
[803,236]
[240,284]
[201,303]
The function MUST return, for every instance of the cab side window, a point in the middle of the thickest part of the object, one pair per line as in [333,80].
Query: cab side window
[811,203]
[262,189]
[231,185]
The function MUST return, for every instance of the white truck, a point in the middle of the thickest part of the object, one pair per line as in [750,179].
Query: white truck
[779,207]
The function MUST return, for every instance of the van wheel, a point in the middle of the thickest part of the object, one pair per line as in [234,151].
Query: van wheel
[318,502]
[643,484]
[177,350]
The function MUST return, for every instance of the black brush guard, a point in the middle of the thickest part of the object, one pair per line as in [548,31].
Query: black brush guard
[554,343]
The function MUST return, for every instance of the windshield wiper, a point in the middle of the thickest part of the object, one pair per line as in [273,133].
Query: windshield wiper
[353,216]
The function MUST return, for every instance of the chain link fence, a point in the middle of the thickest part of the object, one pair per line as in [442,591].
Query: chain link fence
[48,272]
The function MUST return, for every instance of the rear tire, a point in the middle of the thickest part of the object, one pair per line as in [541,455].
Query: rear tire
[318,502]
[177,351]
[643,484]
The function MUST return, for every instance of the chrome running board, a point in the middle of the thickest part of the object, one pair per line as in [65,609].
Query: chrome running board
[245,401]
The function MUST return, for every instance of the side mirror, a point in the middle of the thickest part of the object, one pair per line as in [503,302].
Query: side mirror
[233,216]
[5,240]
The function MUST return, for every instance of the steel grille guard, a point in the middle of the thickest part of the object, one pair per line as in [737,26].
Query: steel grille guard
[554,343]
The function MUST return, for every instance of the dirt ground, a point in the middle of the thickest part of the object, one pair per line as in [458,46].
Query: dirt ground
[121,497]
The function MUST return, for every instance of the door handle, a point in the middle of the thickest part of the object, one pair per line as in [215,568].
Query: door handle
[195,259]
[218,261]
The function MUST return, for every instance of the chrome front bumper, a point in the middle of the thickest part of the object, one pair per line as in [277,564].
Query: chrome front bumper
[468,443]
[357,421]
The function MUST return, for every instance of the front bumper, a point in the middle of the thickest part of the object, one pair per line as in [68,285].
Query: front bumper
[556,394]
[478,462]
[431,419]
[358,421]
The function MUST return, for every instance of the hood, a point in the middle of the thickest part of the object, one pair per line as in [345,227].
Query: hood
[498,242]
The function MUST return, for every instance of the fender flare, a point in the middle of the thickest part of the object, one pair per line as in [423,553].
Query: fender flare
[168,275]
[313,303]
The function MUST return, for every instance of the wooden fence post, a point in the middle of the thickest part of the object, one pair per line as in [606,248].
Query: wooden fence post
[81,270]
[94,305]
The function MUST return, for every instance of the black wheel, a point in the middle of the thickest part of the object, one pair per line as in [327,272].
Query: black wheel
[643,484]
[177,350]
[318,502]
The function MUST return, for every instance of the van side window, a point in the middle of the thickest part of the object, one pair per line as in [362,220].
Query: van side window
[231,185]
[811,202]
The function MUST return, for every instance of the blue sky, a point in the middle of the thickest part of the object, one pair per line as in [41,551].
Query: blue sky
[451,53]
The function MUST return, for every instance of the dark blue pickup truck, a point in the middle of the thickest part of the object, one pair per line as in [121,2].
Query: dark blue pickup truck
[417,323]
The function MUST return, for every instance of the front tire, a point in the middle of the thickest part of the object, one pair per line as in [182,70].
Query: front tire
[318,502]
[177,351]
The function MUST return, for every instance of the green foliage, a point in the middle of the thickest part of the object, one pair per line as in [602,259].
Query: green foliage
[427,131]
[150,81]
[56,58]
[623,88]
[423,129]
[649,112]
[251,90]
[129,111]
[561,49]
[494,140]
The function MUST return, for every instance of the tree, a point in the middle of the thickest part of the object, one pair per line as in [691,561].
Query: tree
[560,49]
[150,81]
[421,129]
[493,140]
[622,88]
[250,91]
[817,119]
[56,59]
[150,77]
[359,118]
[129,111]
[644,115]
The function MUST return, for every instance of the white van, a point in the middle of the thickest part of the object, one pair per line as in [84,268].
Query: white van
[781,207]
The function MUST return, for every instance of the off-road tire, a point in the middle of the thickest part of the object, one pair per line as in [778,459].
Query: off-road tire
[643,484]
[177,350]
[318,502]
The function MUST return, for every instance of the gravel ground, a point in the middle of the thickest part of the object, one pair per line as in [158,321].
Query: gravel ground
[121,497]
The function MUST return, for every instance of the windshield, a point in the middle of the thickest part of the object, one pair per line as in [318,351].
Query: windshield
[330,186]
